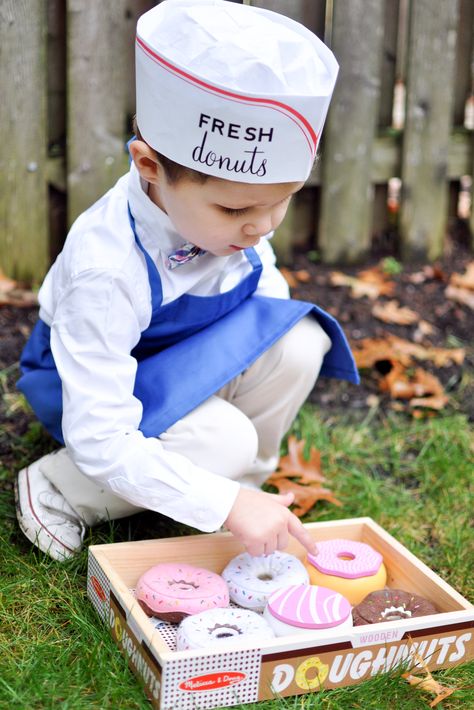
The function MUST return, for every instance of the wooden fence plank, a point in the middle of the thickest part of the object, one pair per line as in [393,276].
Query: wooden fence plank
[463,85]
[133,10]
[430,76]
[24,252]
[97,97]
[310,13]
[346,201]
[389,62]
[470,170]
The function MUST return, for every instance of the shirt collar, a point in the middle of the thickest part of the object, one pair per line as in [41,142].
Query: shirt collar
[154,228]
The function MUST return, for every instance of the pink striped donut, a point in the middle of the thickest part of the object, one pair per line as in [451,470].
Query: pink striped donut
[346,558]
[171,591]
[308,606]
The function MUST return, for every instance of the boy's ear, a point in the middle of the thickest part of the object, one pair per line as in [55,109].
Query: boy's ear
[146,161]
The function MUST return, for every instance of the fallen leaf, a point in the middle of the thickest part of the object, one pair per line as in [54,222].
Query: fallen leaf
[364,284]
[422,330]
[294,463]
[6,284]
[461,295]
[301,477]
[421,388]
[303,276]
[426,682]
[374,275]
[465,280]
[392,312]
[11,294]
[428,273]
[18,298]
[369,351]
[437,402]
[305,496]
[288,276]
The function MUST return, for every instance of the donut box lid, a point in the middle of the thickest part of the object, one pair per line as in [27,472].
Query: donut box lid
[309,606]
[346,558]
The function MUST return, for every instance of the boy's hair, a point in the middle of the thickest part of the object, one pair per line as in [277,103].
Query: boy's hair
[174,171]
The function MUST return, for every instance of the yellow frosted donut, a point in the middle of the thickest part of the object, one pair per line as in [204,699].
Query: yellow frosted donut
[353,589]
[354,569]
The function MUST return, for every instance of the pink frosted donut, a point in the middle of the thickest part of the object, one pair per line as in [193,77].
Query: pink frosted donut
[171,591]
[306,607]
[346,558]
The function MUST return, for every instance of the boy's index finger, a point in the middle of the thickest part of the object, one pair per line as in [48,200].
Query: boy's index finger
[298,530]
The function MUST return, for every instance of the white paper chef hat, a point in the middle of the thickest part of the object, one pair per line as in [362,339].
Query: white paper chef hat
[231,90]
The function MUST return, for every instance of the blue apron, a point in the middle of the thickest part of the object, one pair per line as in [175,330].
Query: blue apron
[192,347]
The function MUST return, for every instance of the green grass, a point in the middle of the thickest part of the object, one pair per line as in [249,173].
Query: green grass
[412,477]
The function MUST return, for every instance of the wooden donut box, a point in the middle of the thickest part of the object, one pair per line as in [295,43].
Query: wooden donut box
[291,665]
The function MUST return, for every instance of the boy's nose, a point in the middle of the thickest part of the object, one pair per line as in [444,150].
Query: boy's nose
[258,227]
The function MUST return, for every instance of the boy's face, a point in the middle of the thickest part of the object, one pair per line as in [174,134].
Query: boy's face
[222,216]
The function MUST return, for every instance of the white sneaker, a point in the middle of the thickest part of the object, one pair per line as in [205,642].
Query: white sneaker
[45,517]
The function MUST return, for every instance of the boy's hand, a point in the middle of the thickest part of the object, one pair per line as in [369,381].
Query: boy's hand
[263,523]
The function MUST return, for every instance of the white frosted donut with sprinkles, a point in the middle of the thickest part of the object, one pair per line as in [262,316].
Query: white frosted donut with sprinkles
[346,558]
[306,608]
[251,580]
[221,628]
[171,591]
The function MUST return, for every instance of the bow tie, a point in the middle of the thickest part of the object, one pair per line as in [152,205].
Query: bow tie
[185,253]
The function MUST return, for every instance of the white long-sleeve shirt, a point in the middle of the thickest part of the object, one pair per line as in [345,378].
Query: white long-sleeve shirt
[97,300]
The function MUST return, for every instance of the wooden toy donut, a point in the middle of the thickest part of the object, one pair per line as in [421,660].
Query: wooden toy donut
[251,580]
[222,627]
[391,605]
[171,591]
[306,608]
[352,568]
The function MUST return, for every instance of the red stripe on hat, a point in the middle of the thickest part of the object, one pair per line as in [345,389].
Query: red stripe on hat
[270,103]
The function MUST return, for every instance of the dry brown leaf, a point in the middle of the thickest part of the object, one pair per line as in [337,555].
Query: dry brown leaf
[437,402]
[18,298]
[461,295]
[289,277]
[6,284]
[305,496]
[428,273]
[12,295]
[422,388]
[426,682]
[301,477]
[369,351]
[292,278]
[364,284]
[422,330]
[392,312]
[295,465]
[465,280]
[303,276]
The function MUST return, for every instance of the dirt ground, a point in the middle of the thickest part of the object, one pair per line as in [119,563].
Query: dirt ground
[454,326]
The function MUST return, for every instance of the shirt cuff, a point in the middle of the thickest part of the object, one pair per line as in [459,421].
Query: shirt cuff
[205,504]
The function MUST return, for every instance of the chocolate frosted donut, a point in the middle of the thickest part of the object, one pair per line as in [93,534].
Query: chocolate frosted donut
[391,605]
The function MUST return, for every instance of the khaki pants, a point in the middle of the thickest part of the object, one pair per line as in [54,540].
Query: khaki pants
[235,433]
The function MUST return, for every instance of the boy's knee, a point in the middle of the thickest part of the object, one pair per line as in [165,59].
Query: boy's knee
[303,349]
[238,444]
[216,436]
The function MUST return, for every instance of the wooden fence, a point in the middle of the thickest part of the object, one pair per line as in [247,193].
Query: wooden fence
[66,76]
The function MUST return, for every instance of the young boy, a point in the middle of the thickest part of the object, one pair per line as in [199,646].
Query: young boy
[168,357]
